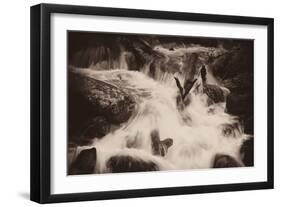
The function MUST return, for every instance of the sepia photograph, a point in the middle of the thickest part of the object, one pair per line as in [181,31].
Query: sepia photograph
[147,102]
[129,103]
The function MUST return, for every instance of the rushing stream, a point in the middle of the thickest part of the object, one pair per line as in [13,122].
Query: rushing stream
[172,131]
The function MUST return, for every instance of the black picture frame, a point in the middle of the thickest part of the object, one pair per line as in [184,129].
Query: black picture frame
[41,102]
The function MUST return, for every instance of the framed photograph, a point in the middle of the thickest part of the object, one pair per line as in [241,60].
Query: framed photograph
[132,103]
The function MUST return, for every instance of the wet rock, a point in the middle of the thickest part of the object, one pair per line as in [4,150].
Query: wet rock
[224,161]
[85,162]
[160,147]
[241,105]
[240,83]
[215,93]
[203,73]
[237,104]
[98,127]
[235,70]
[248,123]
[239,60]
[231,130]
[188,85]
[184,91]
[96,103]
[123,163]
[247,152]
[164,146]
[181,90]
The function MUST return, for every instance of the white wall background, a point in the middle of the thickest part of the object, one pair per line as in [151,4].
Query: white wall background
[14,104]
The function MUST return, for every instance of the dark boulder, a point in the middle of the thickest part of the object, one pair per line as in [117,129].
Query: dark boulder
[215,93]
[224,161]
[98,127]
[247,152]
[241,105]
[235,71]
[103,98]
[238,104]
[160,147]
[94,105]
[239,59]
[85,162]
[124,163]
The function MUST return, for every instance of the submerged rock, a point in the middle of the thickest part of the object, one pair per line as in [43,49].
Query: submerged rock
[231,130]
[124,163]
[224,161]
[85,162]
[247,152]
[160,147]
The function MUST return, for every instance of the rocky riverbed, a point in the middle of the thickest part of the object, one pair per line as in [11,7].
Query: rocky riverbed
[130,90]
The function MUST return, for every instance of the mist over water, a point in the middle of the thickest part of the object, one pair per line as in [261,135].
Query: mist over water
[196,128]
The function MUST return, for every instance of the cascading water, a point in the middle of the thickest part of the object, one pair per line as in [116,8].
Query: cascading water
[197,129]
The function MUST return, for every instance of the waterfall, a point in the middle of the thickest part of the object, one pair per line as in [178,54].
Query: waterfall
[179,120]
